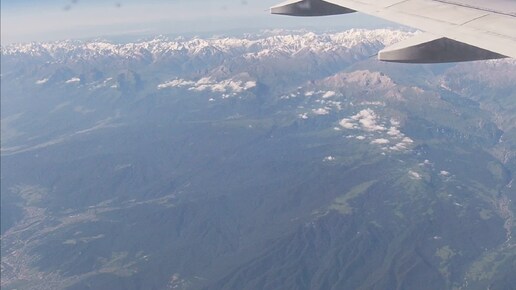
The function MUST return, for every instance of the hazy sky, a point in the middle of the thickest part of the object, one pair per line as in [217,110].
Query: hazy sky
[31,20]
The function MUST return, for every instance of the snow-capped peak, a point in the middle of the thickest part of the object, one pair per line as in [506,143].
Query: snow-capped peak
[252,46]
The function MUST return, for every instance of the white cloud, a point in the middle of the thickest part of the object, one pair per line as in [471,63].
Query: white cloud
[398,147]
[393,131]
[395,123]
[347,123]
[365,103]
[336,104]
[303,116]
[175,83]
[403,145]
[321,111]
[380,141]
[368,121]
[371,125]
[407,140]
[199,88]
[329,158]
[205,80]
[328,94]
[221,88]
[367,118]
[249,85]
[207,84]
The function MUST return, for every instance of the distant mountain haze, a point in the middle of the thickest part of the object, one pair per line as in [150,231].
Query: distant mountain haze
[28,21]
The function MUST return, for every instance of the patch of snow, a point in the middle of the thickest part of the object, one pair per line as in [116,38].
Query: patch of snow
[444,173]
[73,80]
[42,81]
[414,175]
[329,158]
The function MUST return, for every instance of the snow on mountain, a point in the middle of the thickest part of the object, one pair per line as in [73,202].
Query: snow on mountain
[414,175]
[73,80]
[444,173]
[291,43]
[279,60]
[42,81]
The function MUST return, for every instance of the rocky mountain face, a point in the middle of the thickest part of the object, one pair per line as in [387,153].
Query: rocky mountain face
[280,160]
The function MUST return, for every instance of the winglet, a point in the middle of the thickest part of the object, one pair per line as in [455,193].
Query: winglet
[428,48]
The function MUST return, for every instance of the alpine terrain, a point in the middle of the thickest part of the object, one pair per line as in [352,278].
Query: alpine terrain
[275,160]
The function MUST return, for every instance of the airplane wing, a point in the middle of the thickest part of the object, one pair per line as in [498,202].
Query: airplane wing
[454,30]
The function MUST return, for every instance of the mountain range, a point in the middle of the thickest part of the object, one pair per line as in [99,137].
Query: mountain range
[275,160]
